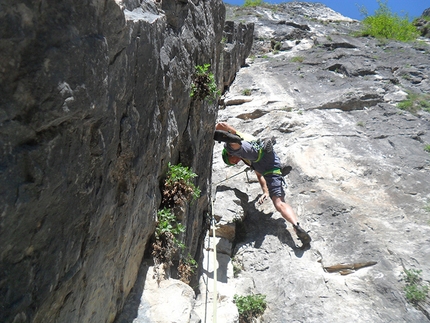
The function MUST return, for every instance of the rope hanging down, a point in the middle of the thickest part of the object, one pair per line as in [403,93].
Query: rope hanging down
[245,170]
[213,223]
[215,296]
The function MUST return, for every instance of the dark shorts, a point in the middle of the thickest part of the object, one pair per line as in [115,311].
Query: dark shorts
[275,184]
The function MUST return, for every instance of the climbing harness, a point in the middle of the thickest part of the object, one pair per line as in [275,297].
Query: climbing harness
[273,171]
[259,146]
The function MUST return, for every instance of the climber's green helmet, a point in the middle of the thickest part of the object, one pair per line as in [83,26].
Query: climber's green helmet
[225,156]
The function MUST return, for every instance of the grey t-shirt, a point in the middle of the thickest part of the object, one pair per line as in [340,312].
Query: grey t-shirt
[250,151]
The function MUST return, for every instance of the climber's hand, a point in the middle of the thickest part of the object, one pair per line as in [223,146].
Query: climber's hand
[263,198]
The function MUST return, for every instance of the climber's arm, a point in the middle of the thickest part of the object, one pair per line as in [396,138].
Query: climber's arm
[263,185]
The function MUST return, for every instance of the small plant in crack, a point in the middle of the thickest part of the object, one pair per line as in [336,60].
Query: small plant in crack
[178,186]
[275,45]
[167,224]
[297,59]
[166,244]
[250,307]
[416,291]
[415,102]
[247,92]
[178,189]
[187,267]
[204,85]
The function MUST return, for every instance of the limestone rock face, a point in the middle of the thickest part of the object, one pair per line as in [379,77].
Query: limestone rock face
[95,102]
[237,40]
[169,301]
[360,177]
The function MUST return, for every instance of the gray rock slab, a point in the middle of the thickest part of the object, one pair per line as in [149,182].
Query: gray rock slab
[360,177]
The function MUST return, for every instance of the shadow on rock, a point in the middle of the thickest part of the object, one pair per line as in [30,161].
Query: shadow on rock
[131,307]
[257,225]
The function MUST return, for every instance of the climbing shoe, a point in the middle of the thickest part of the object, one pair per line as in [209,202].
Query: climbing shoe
[303,236]
[286,169]
[225,136]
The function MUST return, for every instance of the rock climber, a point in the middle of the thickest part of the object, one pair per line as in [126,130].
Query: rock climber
[260,156]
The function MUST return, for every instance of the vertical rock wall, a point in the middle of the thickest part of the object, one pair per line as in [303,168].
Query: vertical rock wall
[95,102]
[238,38]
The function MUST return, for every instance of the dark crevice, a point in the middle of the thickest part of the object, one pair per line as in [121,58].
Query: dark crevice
[116,56]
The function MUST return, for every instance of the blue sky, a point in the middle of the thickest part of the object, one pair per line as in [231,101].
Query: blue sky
[350,8]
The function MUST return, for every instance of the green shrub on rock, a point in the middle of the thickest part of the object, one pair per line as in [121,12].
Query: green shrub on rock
[415,102]
[252,3]
[385,24]
[416,291]
[178,189]
[250,306]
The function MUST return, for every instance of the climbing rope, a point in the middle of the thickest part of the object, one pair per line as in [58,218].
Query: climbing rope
[245,170]
[215,296]
[215,277]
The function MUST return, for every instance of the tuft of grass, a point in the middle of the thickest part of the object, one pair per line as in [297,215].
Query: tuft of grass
[297,59]
[425,105]
[415,102]
[416,291]
[275,45]
[385,24]
[427,148]
[247,92]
